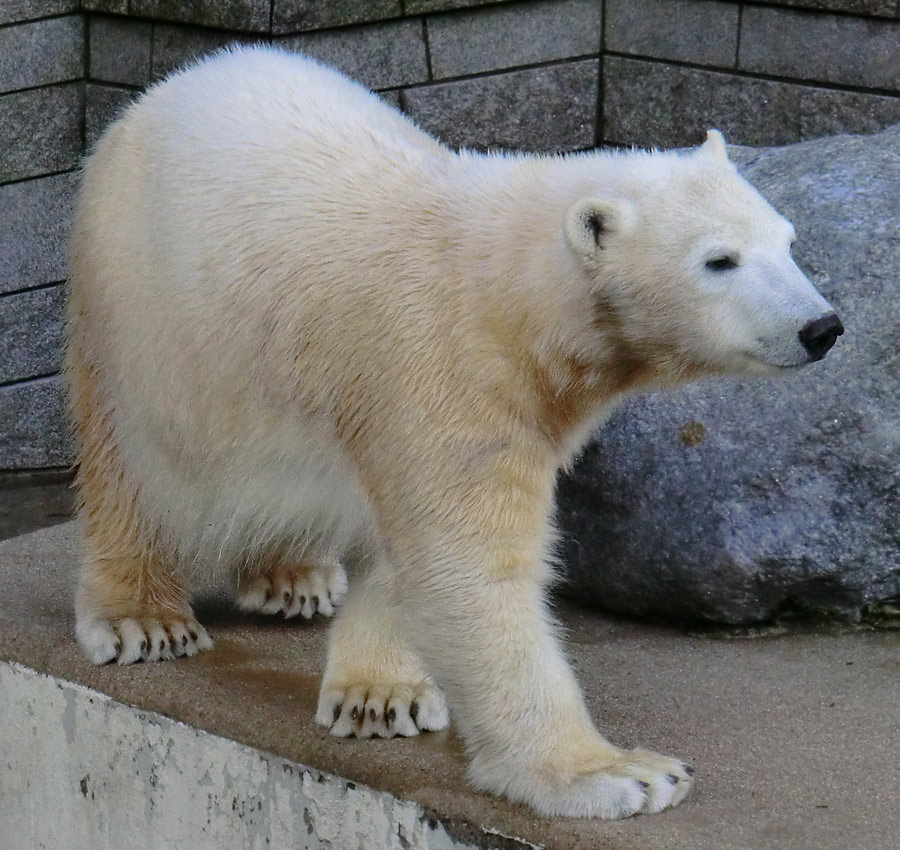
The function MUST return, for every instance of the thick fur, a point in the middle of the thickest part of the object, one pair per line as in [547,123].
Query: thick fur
[299,327]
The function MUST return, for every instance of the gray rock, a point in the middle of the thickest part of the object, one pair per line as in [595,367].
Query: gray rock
[32,323]
[740,502]
[826,48]
[551,108]
[35,433]
[380,56]
[701,31]
[36,216]
[302,15]
[41,131]
[43,52]
[120,51]
[506,36]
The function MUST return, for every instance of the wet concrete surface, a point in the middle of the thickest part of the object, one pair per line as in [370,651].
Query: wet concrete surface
[796,740]
[32,500]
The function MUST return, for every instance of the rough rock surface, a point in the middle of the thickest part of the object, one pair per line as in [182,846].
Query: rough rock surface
[740,502]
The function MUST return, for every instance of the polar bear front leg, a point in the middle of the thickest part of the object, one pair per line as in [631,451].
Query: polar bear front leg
[482,626]
[375,685]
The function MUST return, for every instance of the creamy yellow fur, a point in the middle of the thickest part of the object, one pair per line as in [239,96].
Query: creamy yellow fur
[301,328]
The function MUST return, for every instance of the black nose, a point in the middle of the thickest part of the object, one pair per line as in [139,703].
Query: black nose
[819,335]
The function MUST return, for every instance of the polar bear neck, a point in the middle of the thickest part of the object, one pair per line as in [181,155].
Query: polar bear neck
[524,287]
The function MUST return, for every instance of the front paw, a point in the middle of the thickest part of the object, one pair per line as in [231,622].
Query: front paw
[382,710]
[150,636]
[623,783]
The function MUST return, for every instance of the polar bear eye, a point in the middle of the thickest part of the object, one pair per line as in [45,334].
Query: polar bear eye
[721,264]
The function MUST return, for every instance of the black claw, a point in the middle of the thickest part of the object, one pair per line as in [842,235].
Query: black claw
[642,783]
[143,646]
[184,640]
[414,711]
[315,602]
[354,715]
[372,714]
[286,596]
[687,769]
[162,645]
[303,600]
[391,715]
[336,713]
[193,635]
[672,778]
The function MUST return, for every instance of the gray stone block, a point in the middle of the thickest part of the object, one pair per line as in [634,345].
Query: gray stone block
[31,341]
[517,34]
[115,7]
[41,131]
[379,56]
[102,105]
[551,108]
[655,104]
[247,15]
[701,31]
[42,52]
[15,11]
[34,431]
[302,15]
[176,46]
[826,112]
[120,51]
[36,216]
[826,48]
[392,97]
[881,8]
[419,7]
[746,501]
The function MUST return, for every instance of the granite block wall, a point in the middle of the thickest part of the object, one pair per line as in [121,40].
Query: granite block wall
[549,75]
[42,70]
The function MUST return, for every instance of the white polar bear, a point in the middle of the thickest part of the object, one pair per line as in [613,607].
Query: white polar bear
[300,328]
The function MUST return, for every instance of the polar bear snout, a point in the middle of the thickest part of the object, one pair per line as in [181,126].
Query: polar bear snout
[819,335]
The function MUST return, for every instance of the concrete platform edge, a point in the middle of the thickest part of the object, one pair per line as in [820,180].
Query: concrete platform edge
[81,770]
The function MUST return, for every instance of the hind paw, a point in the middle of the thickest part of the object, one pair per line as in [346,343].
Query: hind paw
[304,589]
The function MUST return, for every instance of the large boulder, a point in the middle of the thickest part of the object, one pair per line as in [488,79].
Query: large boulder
[742,502]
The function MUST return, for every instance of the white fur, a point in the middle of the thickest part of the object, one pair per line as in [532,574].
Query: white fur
[315,328]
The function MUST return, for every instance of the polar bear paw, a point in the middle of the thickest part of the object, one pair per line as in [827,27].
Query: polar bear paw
[304,589]
[633,782]
[377,710]
[160,637]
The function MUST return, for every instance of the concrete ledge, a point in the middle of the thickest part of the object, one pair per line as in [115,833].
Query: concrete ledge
[795,739]
[114,776]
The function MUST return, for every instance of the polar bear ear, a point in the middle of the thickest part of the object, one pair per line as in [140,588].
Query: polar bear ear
[592,223]
[714,146]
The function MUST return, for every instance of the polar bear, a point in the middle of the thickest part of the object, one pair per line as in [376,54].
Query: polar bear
[301,332]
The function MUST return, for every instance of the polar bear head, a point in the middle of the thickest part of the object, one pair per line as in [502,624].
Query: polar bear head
[690,269]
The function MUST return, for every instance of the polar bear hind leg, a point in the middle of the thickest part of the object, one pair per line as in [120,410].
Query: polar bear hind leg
[312,586]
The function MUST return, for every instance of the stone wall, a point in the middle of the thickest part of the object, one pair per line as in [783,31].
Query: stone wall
[551,75]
